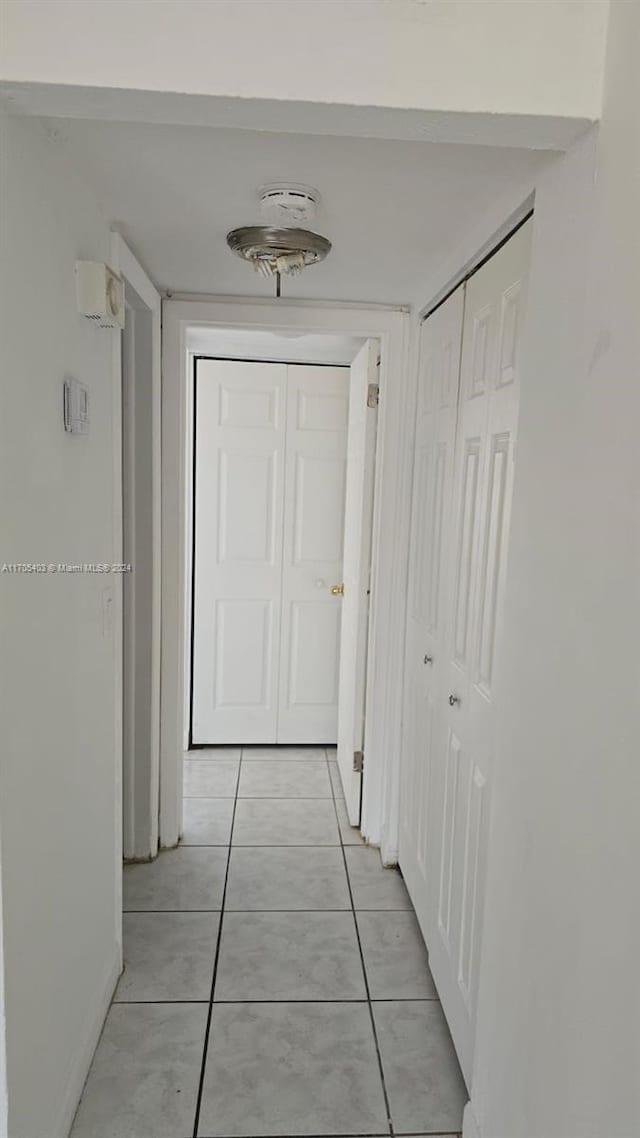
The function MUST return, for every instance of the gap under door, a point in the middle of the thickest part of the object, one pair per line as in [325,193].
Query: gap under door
[269,498]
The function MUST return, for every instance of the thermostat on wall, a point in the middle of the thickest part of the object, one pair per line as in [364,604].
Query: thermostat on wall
[100,294]
[76,407]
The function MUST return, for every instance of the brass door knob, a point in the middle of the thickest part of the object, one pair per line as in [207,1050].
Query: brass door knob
[337,590]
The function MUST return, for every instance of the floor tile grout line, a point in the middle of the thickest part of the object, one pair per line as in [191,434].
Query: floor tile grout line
[259,797]
[364,969]
[205,1048]
[289,845]
[360,1134]
[353,1134]
[296,1000]
[228,909]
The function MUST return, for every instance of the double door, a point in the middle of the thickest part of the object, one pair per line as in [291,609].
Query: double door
[269,499]
[463,476]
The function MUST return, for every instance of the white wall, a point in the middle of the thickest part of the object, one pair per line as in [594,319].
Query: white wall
[523,57]
[558,1042]
[3,1048]
[59,795]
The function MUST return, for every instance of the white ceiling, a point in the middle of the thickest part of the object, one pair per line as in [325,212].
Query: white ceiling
[255,344]
[390,207]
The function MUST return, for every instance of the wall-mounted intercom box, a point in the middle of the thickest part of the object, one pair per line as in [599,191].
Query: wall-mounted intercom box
[100,294]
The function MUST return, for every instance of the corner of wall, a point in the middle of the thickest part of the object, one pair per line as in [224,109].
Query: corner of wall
[470,1124]
[86,1047]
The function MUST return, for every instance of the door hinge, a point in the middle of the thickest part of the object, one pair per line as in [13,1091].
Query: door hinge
[373,395]
[358,761]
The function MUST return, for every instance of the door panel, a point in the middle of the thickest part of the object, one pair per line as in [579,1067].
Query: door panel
[246,519]
[313,660]
[314,498]
[239,469]
[462,773]
[243,640]
[357,573]
[319,509]
[428,574]
[463,473]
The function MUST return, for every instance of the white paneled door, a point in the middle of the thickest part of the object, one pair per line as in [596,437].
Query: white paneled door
[314,494]
[436,412]
[270,455]
[451,732]
[239,507]
[363,416]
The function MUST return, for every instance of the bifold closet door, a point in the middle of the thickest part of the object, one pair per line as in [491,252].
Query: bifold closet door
[314,498]
[463,768]
[438,375]
[239,508]
[452,719]
[270,467]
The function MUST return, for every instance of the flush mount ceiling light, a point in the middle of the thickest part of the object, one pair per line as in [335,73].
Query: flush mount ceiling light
[277,252]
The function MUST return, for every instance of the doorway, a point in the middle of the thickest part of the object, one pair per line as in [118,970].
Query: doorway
[282,516]
[188,326]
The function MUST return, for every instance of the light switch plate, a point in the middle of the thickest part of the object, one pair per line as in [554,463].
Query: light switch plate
[76,407]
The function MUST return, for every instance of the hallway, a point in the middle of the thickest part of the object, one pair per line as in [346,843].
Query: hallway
[275,979]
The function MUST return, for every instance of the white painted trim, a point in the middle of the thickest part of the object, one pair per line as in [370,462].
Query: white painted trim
[470,1124]
[127,628]
[145,844]
[391,520]
[116,426]
[86,1048]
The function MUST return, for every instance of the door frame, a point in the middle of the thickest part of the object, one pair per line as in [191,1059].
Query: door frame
[390,325]
[137,821]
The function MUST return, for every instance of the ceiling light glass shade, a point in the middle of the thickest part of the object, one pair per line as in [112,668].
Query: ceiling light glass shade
[271,250]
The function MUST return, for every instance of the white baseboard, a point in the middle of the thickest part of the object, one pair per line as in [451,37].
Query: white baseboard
[470,1125]
[84,1053]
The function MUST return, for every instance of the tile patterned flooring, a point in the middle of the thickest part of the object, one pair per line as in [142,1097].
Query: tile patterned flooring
[275,982]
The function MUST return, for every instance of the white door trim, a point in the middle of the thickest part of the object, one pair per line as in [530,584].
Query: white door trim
[391,524]
[142,840]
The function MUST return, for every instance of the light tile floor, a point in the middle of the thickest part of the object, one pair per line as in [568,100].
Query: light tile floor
[275,982]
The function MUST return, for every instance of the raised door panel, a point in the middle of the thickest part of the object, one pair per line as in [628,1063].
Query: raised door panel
[420,552]
[470,886]
[247,507]
[319,509]
[316,435]
[239,466]
[435,550]
[493,560]
[243,639]
[466,551]
[313,655]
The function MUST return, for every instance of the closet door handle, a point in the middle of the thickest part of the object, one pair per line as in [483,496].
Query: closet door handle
[337,590]
[454,700]
[428,660]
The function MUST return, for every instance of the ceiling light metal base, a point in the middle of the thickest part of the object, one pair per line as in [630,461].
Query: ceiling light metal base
[274,250]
